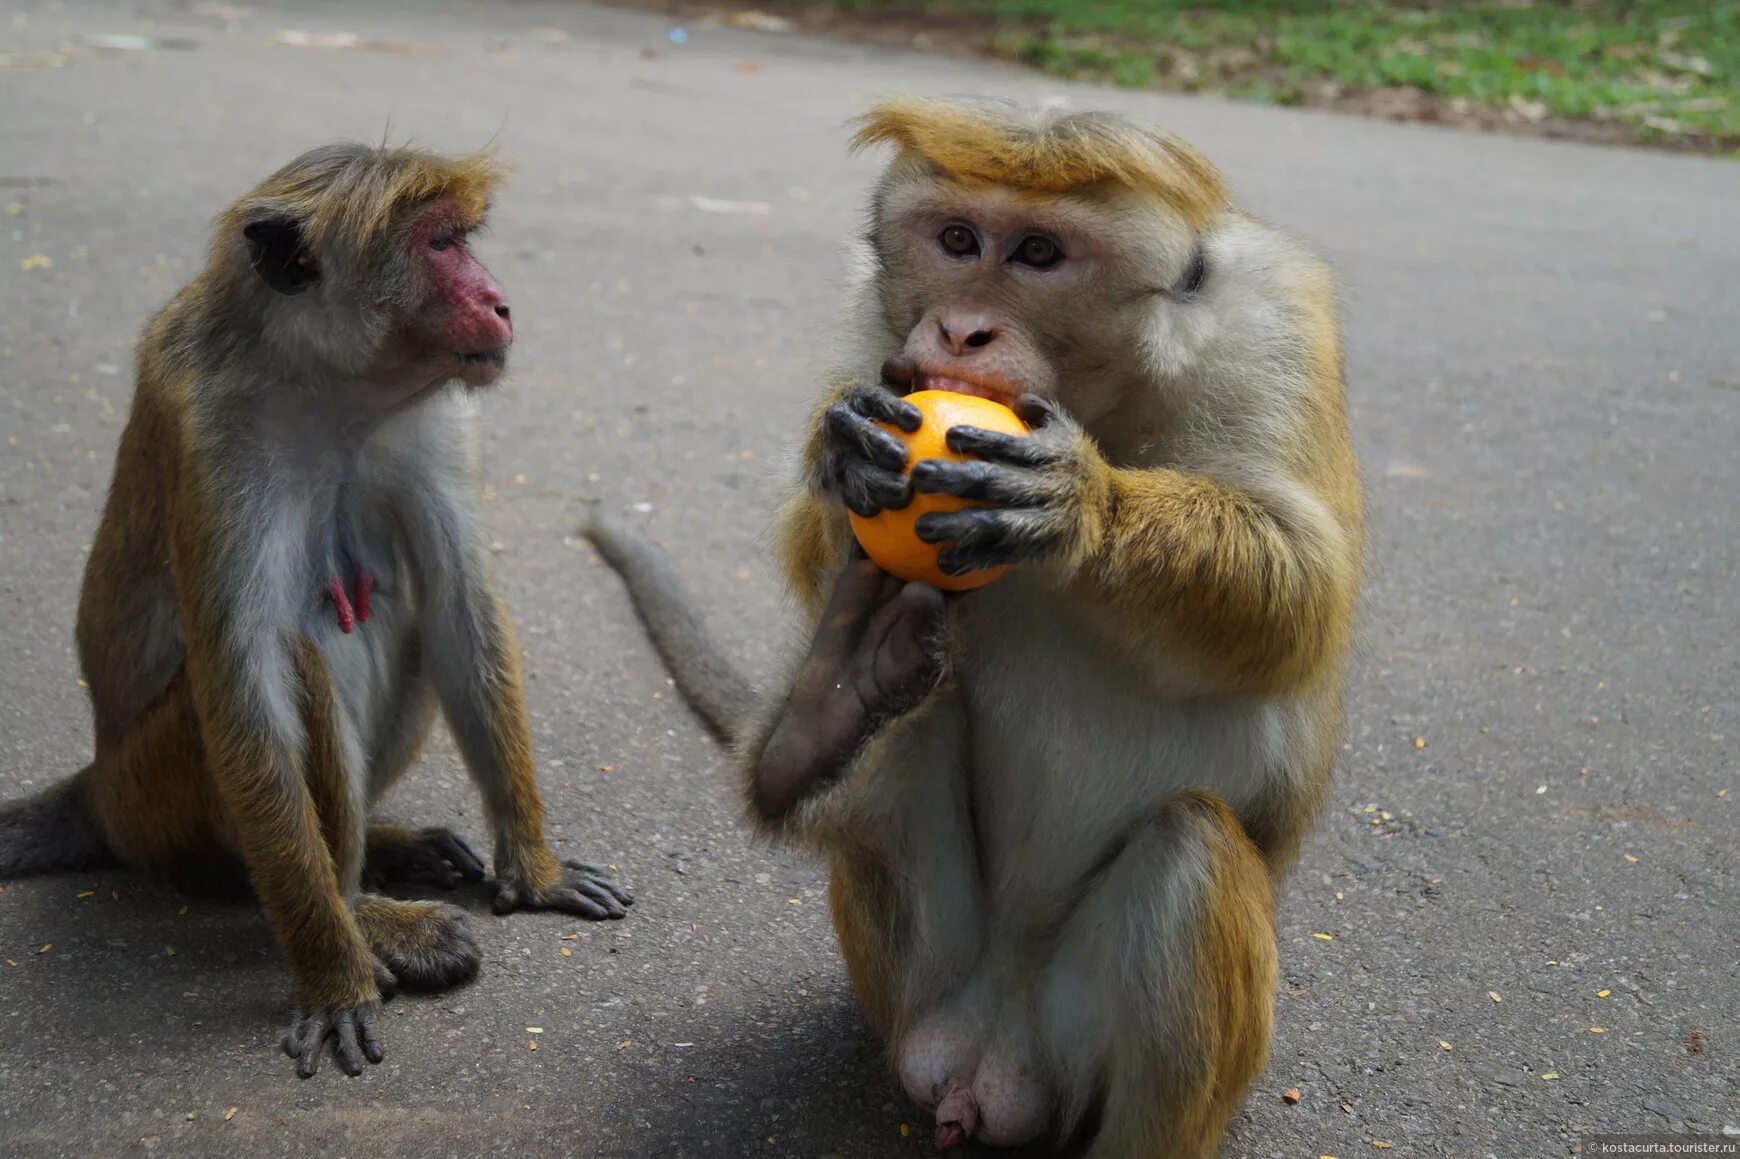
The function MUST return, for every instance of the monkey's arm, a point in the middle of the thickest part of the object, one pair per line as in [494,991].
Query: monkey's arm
[1255,590]
[877,646]
[849,463]
[876,655]
[813,540]
[234,595]
[473,659]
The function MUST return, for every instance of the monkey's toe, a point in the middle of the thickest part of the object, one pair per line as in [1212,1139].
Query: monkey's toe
[353,1034]
[427,945]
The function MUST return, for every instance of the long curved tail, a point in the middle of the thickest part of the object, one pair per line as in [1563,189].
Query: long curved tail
[708,679]
[51,832]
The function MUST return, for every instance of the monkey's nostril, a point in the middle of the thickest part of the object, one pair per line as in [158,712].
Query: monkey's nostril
[501,310]
[968,333]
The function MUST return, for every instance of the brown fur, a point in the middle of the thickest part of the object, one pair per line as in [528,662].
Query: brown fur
[222,744]
[177,823]
[1234,958]
[284,816]
[1172,562]
[425,944]
[1053,879]
[813,542]
[1207,571]
[331,786]
[514,801]
[862,907]
[355,208]
[1045,152]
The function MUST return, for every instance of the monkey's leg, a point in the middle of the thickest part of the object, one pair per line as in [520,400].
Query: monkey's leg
[474,660]
[338,994]
[876,655]
[156,801]
[401,854]
[903,884]
[425,945]
[1162,988]
[328,768]
[410,711]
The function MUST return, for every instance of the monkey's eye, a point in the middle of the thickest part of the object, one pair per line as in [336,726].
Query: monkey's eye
[443,241]
[959,241]
[1038,251]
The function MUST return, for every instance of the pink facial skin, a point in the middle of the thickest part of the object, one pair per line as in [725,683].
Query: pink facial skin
[465,311]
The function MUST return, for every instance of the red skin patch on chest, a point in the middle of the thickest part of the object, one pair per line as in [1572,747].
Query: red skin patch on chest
[351,613]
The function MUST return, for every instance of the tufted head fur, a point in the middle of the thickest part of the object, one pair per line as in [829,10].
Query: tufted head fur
[1045,151]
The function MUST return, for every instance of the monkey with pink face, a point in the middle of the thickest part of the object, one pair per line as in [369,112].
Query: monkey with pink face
[1056,808]
[290,576]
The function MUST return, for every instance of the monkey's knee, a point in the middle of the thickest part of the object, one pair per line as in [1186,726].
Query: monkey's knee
[427,945]
[1167,990]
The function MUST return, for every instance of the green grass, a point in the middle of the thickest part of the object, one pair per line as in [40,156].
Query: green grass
[1655,71]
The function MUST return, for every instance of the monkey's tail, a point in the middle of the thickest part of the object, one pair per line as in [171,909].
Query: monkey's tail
[51,832]
[708,679]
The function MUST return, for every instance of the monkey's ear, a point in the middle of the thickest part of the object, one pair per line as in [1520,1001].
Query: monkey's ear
[277,253]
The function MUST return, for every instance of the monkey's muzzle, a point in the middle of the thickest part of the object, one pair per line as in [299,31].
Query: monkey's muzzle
[481,368]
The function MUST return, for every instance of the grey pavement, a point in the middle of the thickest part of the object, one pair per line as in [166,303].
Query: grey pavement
[1535,828]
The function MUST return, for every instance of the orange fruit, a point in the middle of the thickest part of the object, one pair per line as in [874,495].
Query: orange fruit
[890,537]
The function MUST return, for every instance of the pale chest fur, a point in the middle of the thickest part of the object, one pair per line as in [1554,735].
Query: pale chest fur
[1071,735]
[344,556]
[353,550]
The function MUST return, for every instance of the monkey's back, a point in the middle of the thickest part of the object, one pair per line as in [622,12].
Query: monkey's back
[129,639]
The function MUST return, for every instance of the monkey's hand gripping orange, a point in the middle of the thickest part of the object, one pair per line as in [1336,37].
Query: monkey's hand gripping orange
[891,535]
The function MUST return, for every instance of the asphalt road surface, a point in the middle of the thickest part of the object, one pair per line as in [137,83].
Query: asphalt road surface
[1535,828]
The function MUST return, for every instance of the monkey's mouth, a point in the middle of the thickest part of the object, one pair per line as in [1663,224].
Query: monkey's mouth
[993,389]
[496,357]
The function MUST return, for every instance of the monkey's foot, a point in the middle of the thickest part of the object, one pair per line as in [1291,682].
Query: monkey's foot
[350,613]
[350,1025]
[427,945]
[569,886]
[399,854]
[877,653]
[352,1029]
